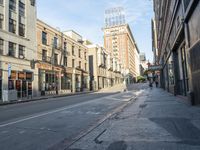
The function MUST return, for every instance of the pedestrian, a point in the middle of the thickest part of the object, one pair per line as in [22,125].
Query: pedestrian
[151,82]
[156,81]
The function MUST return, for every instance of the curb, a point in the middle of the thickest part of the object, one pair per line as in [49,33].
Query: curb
[42,98]
[100,122]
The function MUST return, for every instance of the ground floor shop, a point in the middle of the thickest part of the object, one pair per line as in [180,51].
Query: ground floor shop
[174,75]
[59,80]
[18,81]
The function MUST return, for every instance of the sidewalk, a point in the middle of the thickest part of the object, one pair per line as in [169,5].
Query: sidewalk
[155,121]
[114,89]
[42,98]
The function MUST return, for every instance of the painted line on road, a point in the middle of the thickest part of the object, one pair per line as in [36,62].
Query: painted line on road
[51,112]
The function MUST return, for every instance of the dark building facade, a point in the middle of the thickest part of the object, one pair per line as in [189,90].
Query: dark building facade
[178,41]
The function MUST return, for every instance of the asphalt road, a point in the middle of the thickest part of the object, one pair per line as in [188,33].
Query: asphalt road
[54,123]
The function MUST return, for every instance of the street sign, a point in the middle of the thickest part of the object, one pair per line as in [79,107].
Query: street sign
[9,70]
[155,67]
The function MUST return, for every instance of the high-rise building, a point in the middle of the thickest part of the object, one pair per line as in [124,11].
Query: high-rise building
[18,79]
[119,40]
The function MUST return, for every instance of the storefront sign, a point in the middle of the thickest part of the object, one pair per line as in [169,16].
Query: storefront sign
[21,75]
[29,76]
[44,66]
[13,75]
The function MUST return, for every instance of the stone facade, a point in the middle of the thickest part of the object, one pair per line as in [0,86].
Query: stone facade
[177,26]
[18,80]
[62,61]
[104,70]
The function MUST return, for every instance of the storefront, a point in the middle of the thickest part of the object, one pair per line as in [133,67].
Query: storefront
[21,81]
[66,81]
[48,82]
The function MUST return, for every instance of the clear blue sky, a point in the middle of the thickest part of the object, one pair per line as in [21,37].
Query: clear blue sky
[87,18]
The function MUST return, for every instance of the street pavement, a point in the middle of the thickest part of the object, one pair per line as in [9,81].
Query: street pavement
[56,123]
[156,120]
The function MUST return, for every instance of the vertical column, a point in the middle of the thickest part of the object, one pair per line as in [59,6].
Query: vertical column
[73,81]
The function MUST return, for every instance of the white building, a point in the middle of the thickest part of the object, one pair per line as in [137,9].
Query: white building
[18,78]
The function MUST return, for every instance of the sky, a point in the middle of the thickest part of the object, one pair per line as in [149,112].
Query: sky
[87,18]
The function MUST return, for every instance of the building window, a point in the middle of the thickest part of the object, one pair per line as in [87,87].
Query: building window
[12,5]
[73,50]
[85,56]
[85,66]
[32,2]
[79,53]
[55,59]
[1,21]
[79,64]
[44,38]
[21,52]
[1,2]
[21,29]
[1,46]
[44,55]
[65,61]
[12,25]
[65,46]
[21,9]
[55,42]
[11,49]
[73,63]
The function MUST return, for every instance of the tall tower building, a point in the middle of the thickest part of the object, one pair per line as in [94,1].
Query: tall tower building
[119,41]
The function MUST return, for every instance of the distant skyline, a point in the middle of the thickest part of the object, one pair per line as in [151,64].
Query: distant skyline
[87,18]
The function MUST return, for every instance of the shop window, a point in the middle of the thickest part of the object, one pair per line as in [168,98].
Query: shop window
[65,82]
[171,71]
[11,85]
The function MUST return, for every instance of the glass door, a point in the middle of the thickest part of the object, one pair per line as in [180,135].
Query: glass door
[24,89]
[19,88]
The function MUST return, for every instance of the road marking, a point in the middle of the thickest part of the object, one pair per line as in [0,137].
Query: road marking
[51,112]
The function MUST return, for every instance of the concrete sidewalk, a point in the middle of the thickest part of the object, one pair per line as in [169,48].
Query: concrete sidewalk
[42,98]
[155,121]
[114,89]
